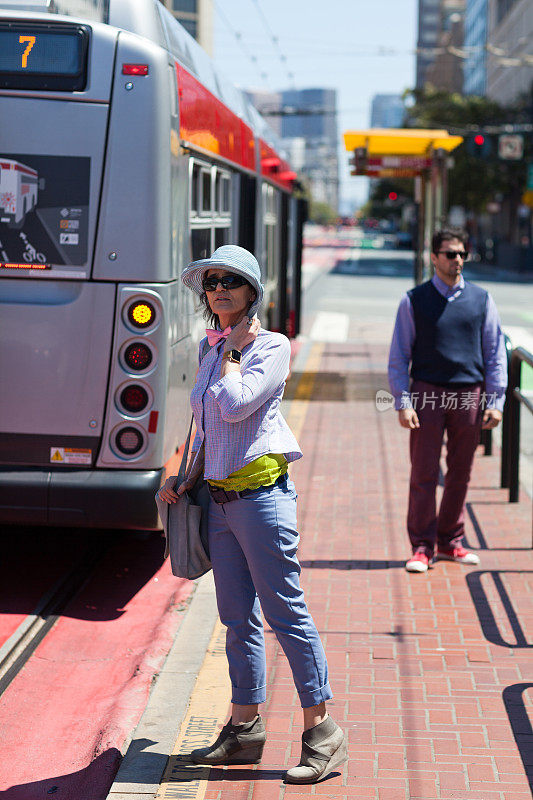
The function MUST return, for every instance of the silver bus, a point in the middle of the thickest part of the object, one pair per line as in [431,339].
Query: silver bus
[135,157]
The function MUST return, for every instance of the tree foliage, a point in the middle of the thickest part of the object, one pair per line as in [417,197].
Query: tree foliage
[475,178]
[321,213]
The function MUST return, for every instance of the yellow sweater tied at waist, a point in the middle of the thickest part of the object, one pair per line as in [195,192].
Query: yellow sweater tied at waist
[264,471]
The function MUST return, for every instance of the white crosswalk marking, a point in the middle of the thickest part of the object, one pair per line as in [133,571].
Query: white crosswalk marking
[330,327]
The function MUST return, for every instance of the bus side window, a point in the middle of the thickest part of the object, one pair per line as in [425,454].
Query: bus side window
[200,243]
[225,200]
[195,188]
[206,191]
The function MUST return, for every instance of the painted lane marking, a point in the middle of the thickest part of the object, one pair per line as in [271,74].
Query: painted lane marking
[330,327]
[208,707]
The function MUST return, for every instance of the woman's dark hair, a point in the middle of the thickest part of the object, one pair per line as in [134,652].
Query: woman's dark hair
[209,316]
[447,235]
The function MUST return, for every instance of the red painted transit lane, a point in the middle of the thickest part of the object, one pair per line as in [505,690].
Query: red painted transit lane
[68,712]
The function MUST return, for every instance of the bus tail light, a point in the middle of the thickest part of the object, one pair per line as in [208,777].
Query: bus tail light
[129,441]
[141,314]
[138,356]
[134,398]
[135,69]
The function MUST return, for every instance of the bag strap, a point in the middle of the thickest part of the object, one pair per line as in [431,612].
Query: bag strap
[183,466]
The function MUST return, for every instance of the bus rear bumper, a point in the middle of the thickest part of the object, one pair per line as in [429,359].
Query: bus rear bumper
[80,498]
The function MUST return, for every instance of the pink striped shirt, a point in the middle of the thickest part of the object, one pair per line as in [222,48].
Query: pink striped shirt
[239,415]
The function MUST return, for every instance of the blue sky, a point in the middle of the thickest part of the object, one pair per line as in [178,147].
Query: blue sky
[359,48]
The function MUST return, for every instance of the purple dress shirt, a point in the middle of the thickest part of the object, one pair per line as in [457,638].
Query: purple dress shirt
[492,346]
[239,415]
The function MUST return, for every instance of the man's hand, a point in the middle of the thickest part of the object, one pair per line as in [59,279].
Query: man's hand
[408,418]
[491,419]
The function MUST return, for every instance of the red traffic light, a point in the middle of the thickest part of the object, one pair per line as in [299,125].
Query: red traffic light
[479,139]
[393,196]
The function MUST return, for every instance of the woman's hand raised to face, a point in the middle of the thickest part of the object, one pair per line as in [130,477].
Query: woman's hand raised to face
[242,334]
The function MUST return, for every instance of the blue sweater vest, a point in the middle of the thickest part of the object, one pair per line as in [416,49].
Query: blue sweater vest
[447,346]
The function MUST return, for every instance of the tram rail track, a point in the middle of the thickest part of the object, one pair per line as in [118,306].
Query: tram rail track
[20,646]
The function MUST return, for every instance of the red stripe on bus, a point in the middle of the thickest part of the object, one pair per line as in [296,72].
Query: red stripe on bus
[275,168]
[206,122]
[152,423]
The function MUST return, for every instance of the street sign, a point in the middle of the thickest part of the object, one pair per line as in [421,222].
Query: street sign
[378,172]
[511,146]
[399,162]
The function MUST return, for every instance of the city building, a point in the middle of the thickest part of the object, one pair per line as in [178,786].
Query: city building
[317,127]
[196,16]
[269,105]
[446,71]
[387,111]
[475,43]
[510,38]
[429,25]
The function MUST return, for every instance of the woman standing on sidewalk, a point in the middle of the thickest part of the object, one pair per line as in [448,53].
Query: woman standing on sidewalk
[243,445]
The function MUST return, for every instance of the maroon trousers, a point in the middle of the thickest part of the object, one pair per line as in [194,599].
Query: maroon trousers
[459,413]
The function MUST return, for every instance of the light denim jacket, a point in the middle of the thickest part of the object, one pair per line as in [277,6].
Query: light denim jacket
[239,415]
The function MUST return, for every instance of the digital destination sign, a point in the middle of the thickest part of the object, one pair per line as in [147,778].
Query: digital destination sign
[43,56]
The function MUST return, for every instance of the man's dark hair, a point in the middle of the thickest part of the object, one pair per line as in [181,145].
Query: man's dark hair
[445,236]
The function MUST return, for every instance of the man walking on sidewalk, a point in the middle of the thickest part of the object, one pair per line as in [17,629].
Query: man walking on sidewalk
[449,331]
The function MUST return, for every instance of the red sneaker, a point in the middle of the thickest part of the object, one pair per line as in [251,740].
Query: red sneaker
[419,562]
[458,554]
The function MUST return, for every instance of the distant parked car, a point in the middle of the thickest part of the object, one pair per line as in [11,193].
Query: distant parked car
[404,240]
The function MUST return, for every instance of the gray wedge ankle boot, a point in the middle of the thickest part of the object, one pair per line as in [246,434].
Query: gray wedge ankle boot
[323,750]
[236,744]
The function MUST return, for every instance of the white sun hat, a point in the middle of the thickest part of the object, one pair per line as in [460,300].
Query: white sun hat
[234,259]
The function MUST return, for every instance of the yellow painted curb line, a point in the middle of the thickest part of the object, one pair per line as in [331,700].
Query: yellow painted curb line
[208,706]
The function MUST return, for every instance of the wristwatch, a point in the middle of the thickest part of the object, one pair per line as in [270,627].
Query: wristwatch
[234,356]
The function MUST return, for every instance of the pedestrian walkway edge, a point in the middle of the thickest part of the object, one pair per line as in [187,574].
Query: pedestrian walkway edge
[154,738]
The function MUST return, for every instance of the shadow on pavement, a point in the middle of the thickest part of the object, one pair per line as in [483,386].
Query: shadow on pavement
[128,562]
[339,387]
[236,775]
[486,616]
[90,783]
[351,564]
[513,698]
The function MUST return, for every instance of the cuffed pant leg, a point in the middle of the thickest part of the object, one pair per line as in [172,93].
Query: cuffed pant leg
[463,426]
[265,525]
[239,611]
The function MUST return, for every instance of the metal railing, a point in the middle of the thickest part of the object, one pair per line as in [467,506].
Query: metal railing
[510,467]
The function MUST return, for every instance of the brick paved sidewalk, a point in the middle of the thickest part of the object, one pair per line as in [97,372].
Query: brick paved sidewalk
[432,673]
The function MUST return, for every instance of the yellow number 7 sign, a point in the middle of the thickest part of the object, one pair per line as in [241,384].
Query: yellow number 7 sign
[30,40]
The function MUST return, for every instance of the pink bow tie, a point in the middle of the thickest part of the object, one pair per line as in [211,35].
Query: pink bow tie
[214,336]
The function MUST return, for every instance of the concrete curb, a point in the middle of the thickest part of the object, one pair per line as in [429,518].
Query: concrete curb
[154,738]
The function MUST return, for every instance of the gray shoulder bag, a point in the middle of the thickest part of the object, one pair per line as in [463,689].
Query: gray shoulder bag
[186,521]
[185,524]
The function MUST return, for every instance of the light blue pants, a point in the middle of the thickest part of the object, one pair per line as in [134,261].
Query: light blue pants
[253,543]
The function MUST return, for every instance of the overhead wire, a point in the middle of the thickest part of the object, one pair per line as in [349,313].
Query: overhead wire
[239,38]
[275,41]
